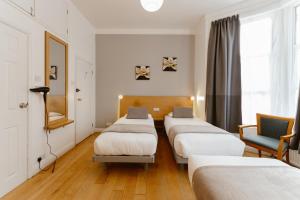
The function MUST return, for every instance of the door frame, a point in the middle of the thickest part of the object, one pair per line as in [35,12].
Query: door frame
[77,58]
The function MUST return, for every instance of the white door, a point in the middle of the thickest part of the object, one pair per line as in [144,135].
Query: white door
[13,118]
[84,76]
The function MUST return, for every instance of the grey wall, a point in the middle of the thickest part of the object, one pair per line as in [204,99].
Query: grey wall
[116,58]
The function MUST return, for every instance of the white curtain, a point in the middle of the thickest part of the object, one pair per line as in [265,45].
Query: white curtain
[269,78]
[283,77]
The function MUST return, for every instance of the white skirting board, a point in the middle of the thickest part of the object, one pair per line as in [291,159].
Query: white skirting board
[99,130]
[295,158]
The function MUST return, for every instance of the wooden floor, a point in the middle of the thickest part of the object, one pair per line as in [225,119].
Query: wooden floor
[77,177]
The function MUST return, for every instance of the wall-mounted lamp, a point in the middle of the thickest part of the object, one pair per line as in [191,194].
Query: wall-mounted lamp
[120,97]
[192,98]
[200,98]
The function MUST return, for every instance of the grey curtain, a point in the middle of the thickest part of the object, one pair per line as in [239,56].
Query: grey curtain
[223,88]
[296,139]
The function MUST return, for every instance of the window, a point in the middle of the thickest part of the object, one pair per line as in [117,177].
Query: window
[256,75]
[270,55]
[297,50]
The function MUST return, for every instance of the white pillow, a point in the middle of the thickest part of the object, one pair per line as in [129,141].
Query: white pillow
[54,114]
[171,115]
[149,116]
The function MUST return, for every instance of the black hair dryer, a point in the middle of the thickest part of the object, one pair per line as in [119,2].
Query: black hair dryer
[43,90]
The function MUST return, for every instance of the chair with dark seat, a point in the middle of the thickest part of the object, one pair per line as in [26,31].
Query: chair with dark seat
[273,135]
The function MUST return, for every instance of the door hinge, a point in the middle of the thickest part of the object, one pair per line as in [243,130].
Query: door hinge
[67,11]
[92,124]
[31,11]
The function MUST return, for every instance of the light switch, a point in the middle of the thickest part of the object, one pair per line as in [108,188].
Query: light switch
[156,109]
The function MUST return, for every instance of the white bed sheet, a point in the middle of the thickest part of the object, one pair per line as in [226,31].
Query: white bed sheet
[196,161]
[203,144]
[132,144]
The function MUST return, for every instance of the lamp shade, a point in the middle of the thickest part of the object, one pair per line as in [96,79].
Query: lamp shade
[152,5]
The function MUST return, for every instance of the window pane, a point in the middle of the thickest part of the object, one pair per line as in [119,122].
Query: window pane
[256,41]
[298,25]
[255,38]
[297,69]
[297,63]
[256,74]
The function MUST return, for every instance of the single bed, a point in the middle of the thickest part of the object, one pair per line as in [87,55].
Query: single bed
[133,146]
[210,141]
[242,178]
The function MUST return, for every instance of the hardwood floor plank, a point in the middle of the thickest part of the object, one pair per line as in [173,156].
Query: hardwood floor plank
[77,177]
[140,188]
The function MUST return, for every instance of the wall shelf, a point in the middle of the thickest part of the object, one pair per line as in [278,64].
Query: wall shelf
[59,124]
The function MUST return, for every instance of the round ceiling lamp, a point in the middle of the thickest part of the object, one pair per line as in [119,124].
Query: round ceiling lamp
[152,5]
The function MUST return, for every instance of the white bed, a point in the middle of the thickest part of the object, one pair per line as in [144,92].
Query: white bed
[242,178]
[128,144]
[196,161]
[202,143]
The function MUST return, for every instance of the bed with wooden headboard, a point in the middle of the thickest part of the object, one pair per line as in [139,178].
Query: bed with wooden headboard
[164,103]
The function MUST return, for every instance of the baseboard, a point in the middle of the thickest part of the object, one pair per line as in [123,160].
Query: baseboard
[98,130]
[295,158]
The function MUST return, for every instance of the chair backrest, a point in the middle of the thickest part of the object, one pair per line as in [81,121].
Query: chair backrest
[274,126]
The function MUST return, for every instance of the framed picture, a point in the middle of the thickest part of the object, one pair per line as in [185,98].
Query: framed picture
[170,64]
[142,72]
[53,73]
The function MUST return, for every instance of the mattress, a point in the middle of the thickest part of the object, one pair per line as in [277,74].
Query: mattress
[202,143]
[196,161]
[130,144]
[240,178]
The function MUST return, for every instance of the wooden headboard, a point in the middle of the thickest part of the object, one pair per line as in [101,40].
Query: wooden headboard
[164,103]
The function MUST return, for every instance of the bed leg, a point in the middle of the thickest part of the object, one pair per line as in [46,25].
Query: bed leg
[181,166]
[146,166]
[104,166]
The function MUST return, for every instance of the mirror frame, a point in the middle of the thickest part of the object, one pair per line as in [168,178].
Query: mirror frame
[64,121]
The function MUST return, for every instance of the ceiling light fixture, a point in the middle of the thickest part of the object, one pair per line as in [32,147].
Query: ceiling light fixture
[152,5]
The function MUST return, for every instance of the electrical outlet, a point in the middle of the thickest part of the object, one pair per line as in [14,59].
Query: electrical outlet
[39,159]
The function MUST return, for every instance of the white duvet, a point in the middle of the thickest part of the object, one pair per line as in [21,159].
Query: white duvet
[202,143]
[203,161]
[131,144]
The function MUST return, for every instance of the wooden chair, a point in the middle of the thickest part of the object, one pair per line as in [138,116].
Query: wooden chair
[273,135]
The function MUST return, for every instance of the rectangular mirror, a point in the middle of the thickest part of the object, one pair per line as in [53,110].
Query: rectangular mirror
[56,78]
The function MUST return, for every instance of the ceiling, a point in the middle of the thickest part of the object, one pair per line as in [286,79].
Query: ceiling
[129,14]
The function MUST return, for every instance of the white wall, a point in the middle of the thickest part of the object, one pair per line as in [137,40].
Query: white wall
[81,44]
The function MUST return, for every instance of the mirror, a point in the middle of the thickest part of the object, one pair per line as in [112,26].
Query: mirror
[57,80]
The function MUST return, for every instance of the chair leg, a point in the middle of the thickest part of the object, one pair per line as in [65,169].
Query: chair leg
[288,156]
[259,153]
[279,155]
